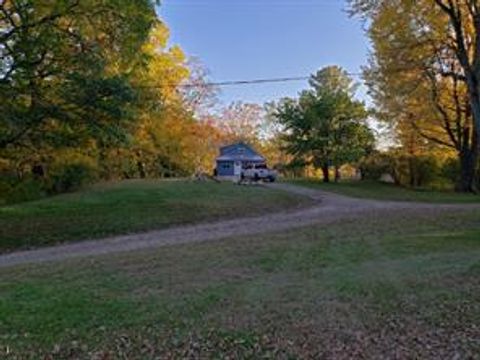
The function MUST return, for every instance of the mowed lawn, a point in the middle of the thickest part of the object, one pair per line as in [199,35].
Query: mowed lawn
[398,285]
[383,191]
[133,206]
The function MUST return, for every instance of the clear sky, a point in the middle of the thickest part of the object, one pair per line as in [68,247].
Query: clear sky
[256,39]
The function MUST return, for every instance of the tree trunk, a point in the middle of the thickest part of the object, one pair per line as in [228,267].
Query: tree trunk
[38,171]
[361,173]
[337,174]
[411,172]
[474,97]
[326,175]
[141,169]
[468,170]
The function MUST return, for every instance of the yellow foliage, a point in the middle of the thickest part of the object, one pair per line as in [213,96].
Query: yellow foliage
[69,156]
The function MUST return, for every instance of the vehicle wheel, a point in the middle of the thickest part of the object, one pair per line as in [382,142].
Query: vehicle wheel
[256,177]
[272,179]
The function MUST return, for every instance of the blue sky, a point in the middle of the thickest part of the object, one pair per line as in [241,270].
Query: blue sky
[252,39]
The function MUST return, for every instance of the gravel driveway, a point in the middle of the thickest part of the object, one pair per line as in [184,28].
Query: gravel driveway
[328,208]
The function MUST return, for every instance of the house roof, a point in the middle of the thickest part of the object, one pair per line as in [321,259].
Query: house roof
[240,157]
[234,146]
[239,151]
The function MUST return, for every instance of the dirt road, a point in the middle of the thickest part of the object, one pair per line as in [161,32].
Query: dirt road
[328,208]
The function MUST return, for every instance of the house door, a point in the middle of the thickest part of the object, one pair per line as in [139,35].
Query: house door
[237,168]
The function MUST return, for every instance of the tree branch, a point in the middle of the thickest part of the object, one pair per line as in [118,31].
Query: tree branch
[429,137]
[441,110]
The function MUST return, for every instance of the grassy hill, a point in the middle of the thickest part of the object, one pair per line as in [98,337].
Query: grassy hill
[133,206]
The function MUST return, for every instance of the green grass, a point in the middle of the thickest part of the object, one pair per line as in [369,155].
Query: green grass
[402,286]
[132,206]
[383,191]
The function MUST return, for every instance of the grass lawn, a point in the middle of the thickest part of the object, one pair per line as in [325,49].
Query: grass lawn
[396,286]
[132,206]
[383,191]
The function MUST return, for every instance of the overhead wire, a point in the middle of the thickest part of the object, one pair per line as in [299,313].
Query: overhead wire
[237,82]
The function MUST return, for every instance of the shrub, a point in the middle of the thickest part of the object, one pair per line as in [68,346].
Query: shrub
[407,170]
[416,171]
[69,171]
[426,170]
[70,177]
[14,190]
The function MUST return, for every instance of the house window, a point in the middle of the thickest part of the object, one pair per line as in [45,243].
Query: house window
[226,166]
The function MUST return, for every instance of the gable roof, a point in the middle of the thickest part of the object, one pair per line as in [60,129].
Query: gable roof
[233,147]
[240,158]
[239,151]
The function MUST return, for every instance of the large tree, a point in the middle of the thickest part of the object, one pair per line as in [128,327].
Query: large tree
[326,126]
[425,69]
[64,69]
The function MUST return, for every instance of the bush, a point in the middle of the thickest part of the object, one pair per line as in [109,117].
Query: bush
[407,170]
[70,177]
[426,170]
[416,171]
[13,190]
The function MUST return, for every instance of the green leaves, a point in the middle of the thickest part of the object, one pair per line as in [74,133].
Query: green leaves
[326,125]
[64,64]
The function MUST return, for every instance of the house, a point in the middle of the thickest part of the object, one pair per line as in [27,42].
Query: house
[234,157]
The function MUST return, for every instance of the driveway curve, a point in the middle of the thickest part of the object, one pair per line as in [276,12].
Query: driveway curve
[328,208]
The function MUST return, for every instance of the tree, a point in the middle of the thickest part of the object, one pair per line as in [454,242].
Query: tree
[199,95]
[463,42]
[62,69]
[326,125]
[242,122]
[173,134]
[424,72]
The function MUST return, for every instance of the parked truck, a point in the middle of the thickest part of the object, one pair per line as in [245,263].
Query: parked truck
[257,172]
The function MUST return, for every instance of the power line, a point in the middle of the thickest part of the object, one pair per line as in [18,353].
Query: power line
[238,82]
[321,3]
